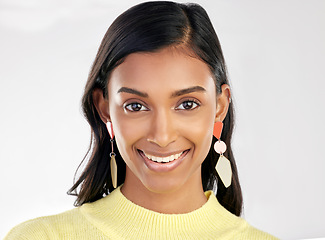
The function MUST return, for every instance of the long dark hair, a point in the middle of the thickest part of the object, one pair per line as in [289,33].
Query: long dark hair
[149,27]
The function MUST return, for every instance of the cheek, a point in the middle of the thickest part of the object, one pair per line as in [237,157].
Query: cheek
[204,140]
[200,131]
[127,132]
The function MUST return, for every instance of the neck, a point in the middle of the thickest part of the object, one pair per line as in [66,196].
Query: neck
[175,200]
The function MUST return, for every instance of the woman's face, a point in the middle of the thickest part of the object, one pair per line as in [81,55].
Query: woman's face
[162,107]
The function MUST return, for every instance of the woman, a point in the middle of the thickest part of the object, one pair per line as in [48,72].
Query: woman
[156,95]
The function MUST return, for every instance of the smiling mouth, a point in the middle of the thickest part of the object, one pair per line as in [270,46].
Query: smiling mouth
[167,159]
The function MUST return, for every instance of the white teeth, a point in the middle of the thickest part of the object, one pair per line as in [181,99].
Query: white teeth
[163,159]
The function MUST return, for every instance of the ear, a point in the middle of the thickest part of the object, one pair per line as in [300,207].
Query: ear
[101,104]
[223,101]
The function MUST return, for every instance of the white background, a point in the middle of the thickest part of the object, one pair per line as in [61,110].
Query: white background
[275,54]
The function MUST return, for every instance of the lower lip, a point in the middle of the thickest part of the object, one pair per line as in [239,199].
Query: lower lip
[163,167]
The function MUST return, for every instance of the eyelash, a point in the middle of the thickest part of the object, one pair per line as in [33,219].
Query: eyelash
[192,101]
[129,106]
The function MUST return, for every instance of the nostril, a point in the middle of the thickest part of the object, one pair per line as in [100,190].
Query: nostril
[161,141]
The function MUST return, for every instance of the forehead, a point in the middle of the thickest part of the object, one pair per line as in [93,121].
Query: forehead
[169,67]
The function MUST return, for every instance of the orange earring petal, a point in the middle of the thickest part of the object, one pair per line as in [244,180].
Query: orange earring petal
[217,129]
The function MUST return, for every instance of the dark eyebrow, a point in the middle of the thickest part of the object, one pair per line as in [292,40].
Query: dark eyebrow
[187,90]
[174,94]
[132,91]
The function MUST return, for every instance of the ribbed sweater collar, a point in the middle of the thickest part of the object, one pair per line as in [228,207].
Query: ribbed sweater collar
[120,218]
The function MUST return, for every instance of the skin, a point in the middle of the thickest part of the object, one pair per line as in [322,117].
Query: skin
[161,104]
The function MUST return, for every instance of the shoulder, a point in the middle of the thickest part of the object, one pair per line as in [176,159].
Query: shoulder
[239,228]
[251,233]
[49,227]
[229,226]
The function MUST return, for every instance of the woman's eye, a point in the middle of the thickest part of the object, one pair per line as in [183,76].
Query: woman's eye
[135,107]
[188,105]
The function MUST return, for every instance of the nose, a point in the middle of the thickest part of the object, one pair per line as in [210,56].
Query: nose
[162,129]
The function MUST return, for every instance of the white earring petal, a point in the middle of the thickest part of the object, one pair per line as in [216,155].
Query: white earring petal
[110,129]
[220,147]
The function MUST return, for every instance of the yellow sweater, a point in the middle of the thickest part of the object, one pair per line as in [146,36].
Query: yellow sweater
[115,217]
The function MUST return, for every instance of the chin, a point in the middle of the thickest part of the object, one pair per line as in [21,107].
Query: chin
[163,185]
